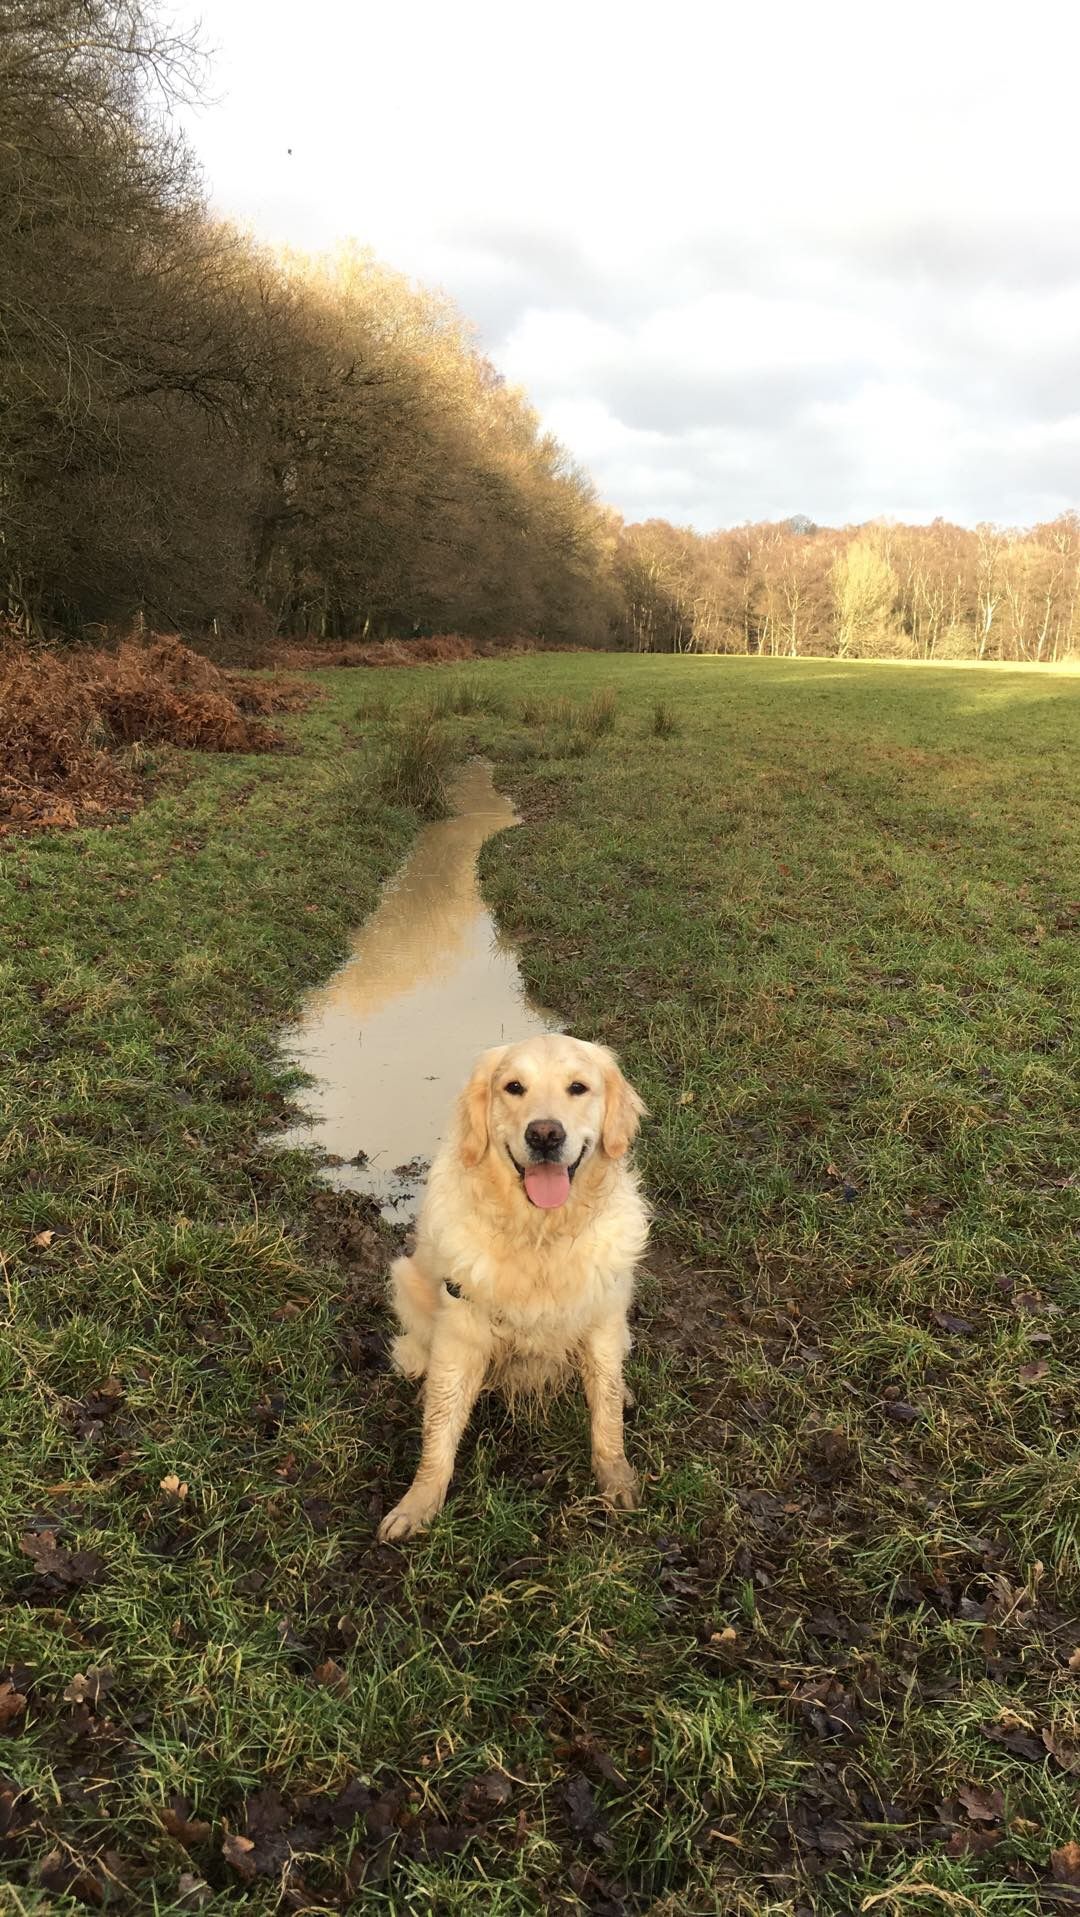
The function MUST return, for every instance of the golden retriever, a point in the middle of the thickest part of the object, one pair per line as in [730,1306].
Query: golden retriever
[529,1232]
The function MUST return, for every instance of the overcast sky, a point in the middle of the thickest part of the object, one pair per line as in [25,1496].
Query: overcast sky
[747,261]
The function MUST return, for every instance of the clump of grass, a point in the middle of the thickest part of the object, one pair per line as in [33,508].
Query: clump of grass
[415,766]
[372,711]
[581,723]
[354,790]
[597,716]
[662,722]
[462,697]
[520,748]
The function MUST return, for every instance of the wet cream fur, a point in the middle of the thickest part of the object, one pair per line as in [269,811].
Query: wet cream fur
[543,1293]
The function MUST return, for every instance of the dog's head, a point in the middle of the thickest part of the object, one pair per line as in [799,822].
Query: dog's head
[545,1107]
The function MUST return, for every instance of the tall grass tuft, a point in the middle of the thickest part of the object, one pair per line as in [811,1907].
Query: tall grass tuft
[663,724]
[371,711]
[519,749]
[460,697]
[597,716]
[562,711]
[415,766]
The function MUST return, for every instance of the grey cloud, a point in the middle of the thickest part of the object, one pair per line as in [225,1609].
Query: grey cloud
[503,272]
[673,400]
[950,253]
[536,257]
[698,444]
[956,254]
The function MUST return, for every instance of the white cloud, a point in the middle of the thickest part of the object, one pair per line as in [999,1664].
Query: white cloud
[746,261]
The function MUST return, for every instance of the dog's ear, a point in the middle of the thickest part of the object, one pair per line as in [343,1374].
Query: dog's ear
[474,1108]
[623,1109]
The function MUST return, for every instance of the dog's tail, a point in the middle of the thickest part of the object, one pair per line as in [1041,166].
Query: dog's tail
[414,1297]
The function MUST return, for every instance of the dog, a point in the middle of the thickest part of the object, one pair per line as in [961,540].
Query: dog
[530,1230]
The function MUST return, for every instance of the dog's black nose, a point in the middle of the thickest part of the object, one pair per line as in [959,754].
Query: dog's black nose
[544,1137]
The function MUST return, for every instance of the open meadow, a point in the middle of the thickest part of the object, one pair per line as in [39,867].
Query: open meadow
[829,914]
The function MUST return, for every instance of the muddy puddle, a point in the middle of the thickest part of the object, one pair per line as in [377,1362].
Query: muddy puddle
[389,1039]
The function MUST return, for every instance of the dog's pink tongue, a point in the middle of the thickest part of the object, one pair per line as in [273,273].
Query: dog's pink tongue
[547,1185]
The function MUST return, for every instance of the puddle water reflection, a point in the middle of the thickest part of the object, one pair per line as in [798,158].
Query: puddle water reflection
[389,1039]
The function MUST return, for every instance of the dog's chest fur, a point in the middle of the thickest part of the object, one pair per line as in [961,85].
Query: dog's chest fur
[533,1292]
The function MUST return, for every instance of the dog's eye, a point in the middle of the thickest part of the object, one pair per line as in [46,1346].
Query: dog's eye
[515,1088]
[577,1089]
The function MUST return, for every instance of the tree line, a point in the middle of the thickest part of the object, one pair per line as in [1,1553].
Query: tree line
[875,591]
[213,436]
[193,428]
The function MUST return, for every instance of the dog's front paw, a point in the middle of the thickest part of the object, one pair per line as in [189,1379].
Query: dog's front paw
[411,1515]
[618,1484]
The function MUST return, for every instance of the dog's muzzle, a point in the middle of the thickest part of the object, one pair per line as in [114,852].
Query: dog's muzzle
[545,1181]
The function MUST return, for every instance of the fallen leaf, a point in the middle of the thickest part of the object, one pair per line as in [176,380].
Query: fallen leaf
[1065,1864]
[983,1806]
[269,1412]
[192,1893]
[687,1098]
[495,1786]
[1062,1749]
[1015,1738]
[1074,1660]
[902,1413]
[174,1487]
[43,1238]
[52,1560]
[89,1687]
[1030,1374]
[239,1852]
[63,1874]
[972,1842]
[17,1811]
[596,1894]
[584,1817]
[106,1399]
[12,1705]
[591,1752]
[330,1676]
[956,1327]
[490,1791]
[174,1818]
[1034,1305]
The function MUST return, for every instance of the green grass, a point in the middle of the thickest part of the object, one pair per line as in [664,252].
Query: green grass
[417,757]
[662,723]
[829,914]
[458,696]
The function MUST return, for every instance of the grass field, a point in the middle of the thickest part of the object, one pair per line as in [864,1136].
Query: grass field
[830,916]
